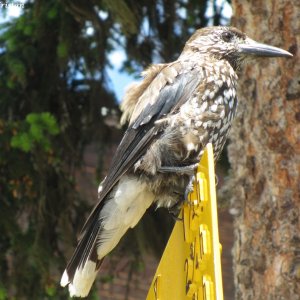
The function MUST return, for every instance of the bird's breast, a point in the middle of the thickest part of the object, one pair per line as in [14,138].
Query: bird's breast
[207,116]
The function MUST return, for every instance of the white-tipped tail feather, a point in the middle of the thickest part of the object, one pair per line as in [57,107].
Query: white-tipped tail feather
[64,279]
[83,280]
[122,210]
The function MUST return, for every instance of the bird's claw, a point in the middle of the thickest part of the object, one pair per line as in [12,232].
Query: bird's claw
[174,211]
[190,187]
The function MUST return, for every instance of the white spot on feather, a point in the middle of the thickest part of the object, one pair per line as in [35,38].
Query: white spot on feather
[219,83]
[209,123]
[206,93]
[64,279]
[227,95]
[188,122]
[194,104]
[219,100]
[190,146]
[203,106]
[198,124]
[100,188]
[214,107]
[222,114]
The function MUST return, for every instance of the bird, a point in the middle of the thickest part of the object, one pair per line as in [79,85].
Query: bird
[172,114]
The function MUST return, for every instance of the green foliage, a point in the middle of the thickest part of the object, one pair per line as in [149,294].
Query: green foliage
[3,293]
[52,13]
[17,70]
[123,15]
[62,50]
[37,128]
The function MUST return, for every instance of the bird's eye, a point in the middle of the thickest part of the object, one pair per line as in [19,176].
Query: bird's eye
[227,36]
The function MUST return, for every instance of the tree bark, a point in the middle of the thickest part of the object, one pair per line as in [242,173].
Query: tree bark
[264,153]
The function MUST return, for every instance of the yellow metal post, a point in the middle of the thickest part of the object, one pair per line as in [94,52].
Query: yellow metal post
[190,267]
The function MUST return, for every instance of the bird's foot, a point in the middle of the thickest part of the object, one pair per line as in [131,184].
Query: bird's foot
[174,211]
[190,187]
[187,170]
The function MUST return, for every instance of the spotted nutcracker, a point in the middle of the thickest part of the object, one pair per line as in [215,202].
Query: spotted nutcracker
[173,113]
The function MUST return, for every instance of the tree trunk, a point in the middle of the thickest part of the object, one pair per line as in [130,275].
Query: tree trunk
[264,154]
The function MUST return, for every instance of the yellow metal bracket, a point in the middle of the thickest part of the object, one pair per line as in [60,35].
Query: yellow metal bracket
[190,267]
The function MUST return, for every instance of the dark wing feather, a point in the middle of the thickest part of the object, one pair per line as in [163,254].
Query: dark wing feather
[144,130]
[141,133]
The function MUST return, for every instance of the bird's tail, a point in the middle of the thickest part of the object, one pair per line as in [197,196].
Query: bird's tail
[83,267]
[112,217]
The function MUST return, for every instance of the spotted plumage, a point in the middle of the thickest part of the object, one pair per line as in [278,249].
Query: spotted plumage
[173,113]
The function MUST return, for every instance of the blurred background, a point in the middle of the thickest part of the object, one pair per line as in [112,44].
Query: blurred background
[64,65]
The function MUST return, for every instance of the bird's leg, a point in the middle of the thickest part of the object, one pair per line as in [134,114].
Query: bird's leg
[174,210]
[188,170]
[190,187]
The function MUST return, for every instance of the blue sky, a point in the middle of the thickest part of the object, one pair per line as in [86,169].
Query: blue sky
[118,80]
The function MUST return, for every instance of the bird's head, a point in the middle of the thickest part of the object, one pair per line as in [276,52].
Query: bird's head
[231,44]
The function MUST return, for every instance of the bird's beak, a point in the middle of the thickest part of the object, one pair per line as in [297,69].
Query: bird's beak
[253,48]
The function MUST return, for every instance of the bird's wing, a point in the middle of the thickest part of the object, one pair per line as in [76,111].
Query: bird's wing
[135,90]
[172,86]
[168,90]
